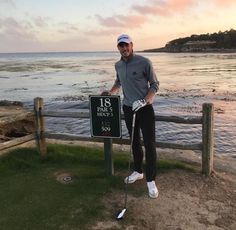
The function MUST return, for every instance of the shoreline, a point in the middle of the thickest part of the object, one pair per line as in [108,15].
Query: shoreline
[195,52]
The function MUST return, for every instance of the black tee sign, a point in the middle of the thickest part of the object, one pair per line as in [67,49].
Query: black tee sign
[105,116]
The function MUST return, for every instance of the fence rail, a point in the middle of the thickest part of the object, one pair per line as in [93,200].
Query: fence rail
[84,113]
[17,141]
[206,146]
[124,141]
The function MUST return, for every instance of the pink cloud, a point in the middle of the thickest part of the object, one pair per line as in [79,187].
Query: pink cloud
[109,21]
[133,20]
[130,21]
[180,5]
[151,10]
[164,8]
[224,2]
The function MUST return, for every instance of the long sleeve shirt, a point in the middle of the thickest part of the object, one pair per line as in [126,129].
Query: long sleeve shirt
[136,77]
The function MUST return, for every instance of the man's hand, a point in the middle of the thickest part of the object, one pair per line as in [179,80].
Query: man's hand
[138,105]
[105,93]
[150,97]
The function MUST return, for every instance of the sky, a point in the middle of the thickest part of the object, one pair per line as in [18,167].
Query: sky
[83,25]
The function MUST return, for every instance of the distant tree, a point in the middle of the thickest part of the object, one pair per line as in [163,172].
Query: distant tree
[226,39]
[219,40]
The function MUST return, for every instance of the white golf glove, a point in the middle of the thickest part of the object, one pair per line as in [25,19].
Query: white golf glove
[138,105]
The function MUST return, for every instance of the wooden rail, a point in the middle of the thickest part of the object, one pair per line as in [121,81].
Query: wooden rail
[206,146]
[17,141]
[124,141]
[84,113]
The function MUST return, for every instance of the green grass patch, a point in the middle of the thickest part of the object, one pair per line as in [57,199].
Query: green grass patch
[32,197]
[164,165]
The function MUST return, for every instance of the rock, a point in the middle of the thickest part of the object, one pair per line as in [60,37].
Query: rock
[15,120]
[10,103]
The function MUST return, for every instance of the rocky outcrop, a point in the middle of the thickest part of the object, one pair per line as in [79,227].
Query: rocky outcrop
[15,120]
[216,42]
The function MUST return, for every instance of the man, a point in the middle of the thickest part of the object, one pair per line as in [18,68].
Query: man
[137,78]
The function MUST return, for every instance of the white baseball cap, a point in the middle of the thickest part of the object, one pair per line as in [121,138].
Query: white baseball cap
[124,38]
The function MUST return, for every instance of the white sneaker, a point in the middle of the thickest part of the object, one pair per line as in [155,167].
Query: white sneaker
[152,189]
[133,177]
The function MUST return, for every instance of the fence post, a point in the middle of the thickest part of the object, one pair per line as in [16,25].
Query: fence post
[207,138]
[39,123]
[109,167]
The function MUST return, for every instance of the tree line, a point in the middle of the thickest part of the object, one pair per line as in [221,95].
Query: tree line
[223,40]
[212,42]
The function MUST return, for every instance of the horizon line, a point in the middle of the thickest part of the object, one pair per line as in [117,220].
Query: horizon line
[25,52]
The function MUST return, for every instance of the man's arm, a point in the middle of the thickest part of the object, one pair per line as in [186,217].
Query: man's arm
[114,89]
[154,83]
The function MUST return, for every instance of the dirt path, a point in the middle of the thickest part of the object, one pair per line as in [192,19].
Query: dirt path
[187,201]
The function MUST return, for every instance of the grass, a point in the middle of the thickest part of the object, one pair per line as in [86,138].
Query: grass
[32,198]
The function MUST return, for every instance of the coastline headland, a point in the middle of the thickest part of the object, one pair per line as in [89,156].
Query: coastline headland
[221,42]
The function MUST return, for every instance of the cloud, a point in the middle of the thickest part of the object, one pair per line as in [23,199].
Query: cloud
[224,2]
[103,32]
[34,34]
[155,10]
[66,27]
[41,21]
[12,29]
[109,21]
[131,21]
[180,5]
[168,7]
[16,36]
[34,27]
[164,8]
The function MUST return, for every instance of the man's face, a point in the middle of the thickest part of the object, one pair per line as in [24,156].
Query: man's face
[125,49]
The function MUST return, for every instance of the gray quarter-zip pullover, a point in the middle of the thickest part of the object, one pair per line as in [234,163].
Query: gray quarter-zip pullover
[137,77]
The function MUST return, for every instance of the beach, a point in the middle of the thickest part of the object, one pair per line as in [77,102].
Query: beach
[187,80]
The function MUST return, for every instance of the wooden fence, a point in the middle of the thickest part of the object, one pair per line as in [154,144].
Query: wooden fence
[206,146]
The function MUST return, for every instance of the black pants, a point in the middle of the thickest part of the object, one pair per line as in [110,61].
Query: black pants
[145,121]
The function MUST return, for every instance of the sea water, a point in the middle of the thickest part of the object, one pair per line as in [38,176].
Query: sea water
[187,80]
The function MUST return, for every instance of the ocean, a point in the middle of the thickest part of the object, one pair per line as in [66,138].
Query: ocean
[187,80]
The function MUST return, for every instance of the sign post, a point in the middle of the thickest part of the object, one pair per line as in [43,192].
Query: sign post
[105,119]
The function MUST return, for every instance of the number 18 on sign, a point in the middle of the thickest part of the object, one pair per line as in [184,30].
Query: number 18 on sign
[105,116]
